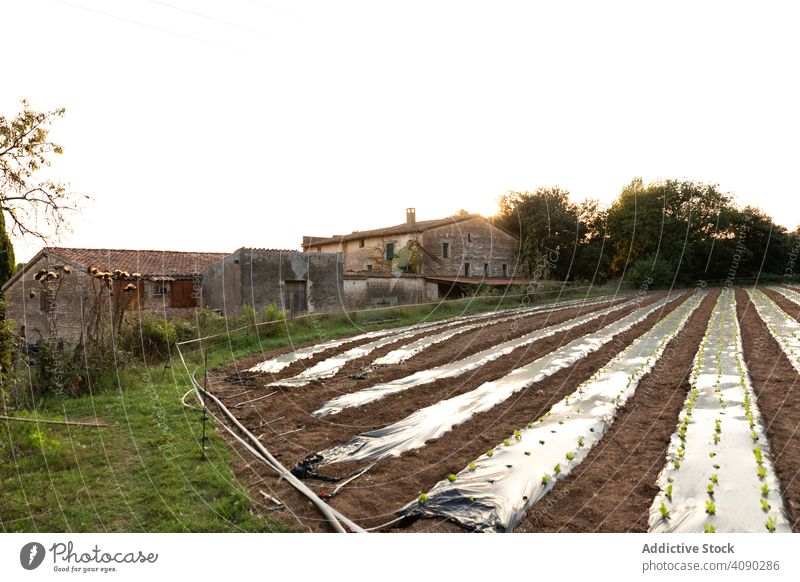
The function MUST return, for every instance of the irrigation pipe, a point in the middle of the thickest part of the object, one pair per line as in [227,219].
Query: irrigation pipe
[255,447]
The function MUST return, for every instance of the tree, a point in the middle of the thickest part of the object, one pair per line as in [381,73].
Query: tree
[36,206]
[7,267]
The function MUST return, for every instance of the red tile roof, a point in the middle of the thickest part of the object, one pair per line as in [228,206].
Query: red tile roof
[148,263]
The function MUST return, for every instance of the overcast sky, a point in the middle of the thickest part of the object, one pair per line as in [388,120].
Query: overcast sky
[211,125]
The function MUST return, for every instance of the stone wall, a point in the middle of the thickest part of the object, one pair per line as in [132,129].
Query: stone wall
[475,241]
[258,277]
[362,291]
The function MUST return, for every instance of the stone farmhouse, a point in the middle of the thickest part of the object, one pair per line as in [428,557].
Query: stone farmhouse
[164,282]
[421,260]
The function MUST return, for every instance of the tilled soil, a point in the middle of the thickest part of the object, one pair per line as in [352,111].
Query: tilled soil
[238,371]
[289,410]
[613,489]
[280,414]
[393,483]
[777,389]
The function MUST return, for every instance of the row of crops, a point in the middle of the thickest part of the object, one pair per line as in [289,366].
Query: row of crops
[718,473]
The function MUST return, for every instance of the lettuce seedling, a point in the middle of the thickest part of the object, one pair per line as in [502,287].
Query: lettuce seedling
[714,479]
[570,456]
[490,452]
[506,442]
[664,511]
[711,507]
[668,492]
[762,473]
[545,480]
[423,497]
[764,490]
[472,466]
[771,523]
[764,505]
[557,468]
[580,441]
[451,477]
[708,528]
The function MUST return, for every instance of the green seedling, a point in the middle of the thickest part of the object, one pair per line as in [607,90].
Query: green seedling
[472,466]
[711,507]
[557,469]
[545,480]
[764,505]
[423,497]
[668,492]
[771,523]
[560,422]
[758,455]
[716,438]
[580,441]
[506,442]
[712,454]
[762,473]
[764,490]
[681,452]
[530,425]
[753,435]
[570,456]
[708,528]
[710,488]
[677,464]
[472,498]
[451,477]
[714,479]
[664,511]
[489,453]
[518,435]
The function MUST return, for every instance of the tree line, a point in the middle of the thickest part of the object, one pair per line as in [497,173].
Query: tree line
[664,233]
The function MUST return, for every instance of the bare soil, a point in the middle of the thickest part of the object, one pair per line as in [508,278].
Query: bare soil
[613,489]
[777,389]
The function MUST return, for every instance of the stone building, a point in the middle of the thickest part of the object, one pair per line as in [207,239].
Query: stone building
[423,259]
[291,280]
[163,282]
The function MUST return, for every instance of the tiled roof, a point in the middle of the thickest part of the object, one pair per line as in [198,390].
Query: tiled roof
[419,226]
[148,263]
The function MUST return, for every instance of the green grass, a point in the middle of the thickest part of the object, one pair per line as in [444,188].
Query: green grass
[144,472]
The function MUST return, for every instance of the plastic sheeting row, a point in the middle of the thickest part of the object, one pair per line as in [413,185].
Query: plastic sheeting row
[436,420]
[457,367]
[494,492]
[718,476]
[329,367]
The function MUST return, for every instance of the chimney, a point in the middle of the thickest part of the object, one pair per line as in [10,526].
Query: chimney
[411,216]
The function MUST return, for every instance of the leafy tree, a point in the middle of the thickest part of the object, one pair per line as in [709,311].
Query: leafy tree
[7,267]
[35,206]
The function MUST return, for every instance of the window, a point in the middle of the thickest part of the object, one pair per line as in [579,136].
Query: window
[445,250]
[44,300]
[466,269]
[486,269]
[469,237]
[361,243]
[182,294]
[319,249]
[369,267]
[389,251]
[505,271]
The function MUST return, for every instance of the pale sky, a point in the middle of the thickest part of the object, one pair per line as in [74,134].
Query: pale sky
[254,122]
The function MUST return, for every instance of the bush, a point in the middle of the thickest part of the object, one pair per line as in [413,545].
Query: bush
[271,313]
[645,272]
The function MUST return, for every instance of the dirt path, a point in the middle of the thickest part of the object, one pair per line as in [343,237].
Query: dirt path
[777,389]
[613,489]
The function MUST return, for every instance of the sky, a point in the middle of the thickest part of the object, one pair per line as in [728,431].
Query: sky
[208,125]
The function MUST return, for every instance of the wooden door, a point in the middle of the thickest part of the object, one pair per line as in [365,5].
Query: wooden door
[294,297]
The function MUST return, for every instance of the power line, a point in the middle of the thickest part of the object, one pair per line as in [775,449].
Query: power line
[146,25]
[206,16]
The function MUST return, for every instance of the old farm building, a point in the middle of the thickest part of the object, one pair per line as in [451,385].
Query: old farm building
[165,282]
[421,260]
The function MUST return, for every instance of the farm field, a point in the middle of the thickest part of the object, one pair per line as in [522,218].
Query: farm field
[658,411]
